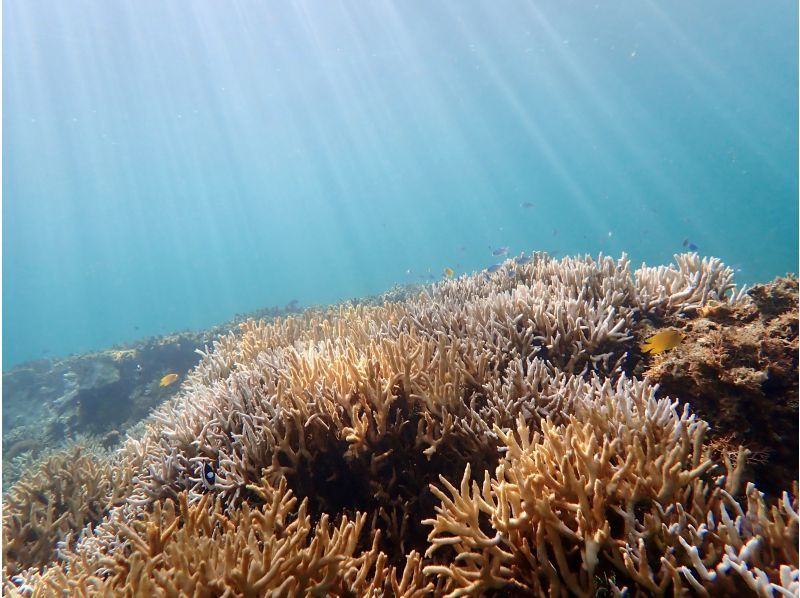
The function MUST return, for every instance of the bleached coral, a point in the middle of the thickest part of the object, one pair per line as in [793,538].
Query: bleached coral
[694,283]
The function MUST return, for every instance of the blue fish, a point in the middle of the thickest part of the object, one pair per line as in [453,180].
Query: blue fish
[523,259]
[689,245]
[526,205]
[500,251]
[494,267]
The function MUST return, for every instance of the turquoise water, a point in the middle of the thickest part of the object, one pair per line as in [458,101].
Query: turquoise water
[168,164]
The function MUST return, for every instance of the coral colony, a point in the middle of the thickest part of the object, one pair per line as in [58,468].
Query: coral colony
[498,434]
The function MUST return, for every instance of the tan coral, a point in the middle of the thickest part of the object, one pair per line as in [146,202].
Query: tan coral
[67,491]
[355,410]
[626,476]
[272,550]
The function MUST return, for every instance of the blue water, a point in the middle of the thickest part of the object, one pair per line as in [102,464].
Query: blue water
[168,164]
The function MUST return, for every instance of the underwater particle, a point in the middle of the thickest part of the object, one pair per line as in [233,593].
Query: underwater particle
[500,251]
[448,272]
[662,341]
[494,267]
[168,379]
[527,205]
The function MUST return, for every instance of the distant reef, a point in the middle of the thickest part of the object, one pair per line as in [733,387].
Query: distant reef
[96,397]
[498,434]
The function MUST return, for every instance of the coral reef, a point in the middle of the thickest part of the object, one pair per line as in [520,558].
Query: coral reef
[320,454]
[48,403]
[624,494]
[67,491]
[737,368]
[270,550]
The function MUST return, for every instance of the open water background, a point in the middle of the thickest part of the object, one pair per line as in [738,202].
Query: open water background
[169,164]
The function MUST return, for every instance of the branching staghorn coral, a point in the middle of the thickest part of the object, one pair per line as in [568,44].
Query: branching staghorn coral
[57,498]
[352,385]
[272,550]
[358,410]
[624,491]
[344,370]
[696,281]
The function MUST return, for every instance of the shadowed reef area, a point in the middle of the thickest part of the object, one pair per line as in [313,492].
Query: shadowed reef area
[498,434]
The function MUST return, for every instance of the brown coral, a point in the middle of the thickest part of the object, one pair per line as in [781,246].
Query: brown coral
[737,368]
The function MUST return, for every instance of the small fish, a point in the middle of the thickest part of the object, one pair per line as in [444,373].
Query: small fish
[448,272]
[689,245]
[500,251]
[209,477]
[662,341]
[168,379]
[494,267]
[527,205]
[523,259]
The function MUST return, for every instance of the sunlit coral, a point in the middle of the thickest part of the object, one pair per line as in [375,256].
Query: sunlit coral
[336,438]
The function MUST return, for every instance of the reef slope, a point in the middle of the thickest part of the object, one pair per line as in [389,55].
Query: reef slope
[493,435]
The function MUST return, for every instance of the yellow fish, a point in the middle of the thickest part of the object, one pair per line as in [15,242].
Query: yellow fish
[168,379]
[663,341]
[448,272]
